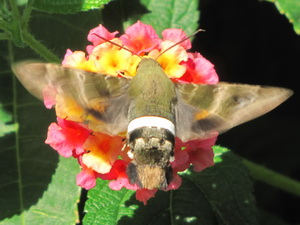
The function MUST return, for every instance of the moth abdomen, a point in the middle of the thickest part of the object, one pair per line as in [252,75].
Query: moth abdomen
[151,150]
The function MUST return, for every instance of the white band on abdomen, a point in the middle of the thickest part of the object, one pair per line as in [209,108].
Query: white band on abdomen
[151,121]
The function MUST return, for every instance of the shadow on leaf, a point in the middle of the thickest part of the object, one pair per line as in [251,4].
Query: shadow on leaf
[23,181]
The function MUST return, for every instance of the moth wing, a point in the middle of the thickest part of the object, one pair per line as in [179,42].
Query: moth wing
[102,98]
[202,110]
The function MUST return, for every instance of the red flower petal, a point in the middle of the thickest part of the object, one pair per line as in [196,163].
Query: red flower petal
[175,183]
[197,152]
[181,161]
[67,137]
[201,154]
[199,71]
[144,195]
[118,170]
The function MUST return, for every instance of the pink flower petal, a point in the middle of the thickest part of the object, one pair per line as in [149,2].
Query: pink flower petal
[204,71]
[86,179]
[56,140]
[176,35]
[66,57]
[49,94]
[140,38]
[118,173]
[94,34]
[120,183]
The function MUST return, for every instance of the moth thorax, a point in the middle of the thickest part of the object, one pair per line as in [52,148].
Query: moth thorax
[151,139]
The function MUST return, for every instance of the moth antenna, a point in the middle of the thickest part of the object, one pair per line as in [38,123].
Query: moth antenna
[113,43]
[196,32]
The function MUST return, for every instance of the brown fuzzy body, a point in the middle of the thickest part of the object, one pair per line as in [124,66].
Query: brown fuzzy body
[152,149]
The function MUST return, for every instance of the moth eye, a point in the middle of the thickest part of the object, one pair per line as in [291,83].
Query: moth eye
[130,154]
[172,158]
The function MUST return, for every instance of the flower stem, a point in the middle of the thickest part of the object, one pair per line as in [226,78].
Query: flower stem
[272,178]
[39,48]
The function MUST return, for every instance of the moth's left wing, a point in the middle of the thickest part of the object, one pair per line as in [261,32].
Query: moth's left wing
[101,99]
[202,110]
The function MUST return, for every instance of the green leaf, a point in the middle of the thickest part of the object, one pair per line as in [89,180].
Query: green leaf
[4,119]
[105,206]
[68,6]
[182,14]
[291,9]
[221,194]
[218,153]
[58,205]
[36,188]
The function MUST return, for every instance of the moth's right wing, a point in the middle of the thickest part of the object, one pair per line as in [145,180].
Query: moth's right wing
[103,99]
[204,110]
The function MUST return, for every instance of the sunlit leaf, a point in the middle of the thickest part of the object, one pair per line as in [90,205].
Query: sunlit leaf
[182,14]
[5,119]
[290,8]
[68,6]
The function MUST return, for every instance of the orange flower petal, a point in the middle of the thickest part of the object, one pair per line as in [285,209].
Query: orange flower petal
[102,151]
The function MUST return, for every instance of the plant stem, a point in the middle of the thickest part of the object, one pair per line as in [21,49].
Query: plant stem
[273,178]
[39,48]
[15,10]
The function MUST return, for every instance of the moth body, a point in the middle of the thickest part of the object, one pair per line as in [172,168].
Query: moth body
[151,127]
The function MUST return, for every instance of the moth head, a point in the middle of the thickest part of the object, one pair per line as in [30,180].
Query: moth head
[147,63]
[149,176]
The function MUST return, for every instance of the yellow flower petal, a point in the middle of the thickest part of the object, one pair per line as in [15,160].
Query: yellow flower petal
[171,59]
[103,151]
[109,58]
[132,64]
[96,162]
[67,107]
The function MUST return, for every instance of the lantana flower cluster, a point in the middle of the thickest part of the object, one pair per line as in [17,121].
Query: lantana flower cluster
[101,155]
